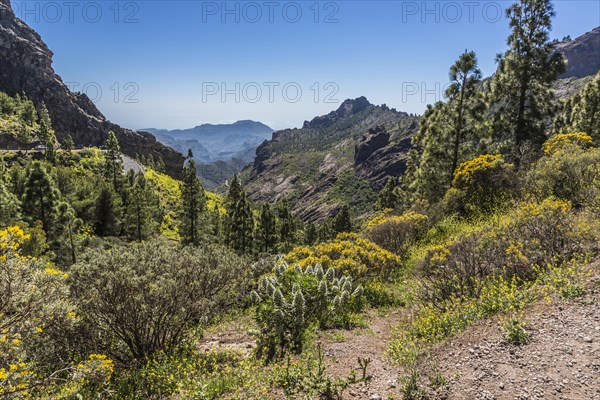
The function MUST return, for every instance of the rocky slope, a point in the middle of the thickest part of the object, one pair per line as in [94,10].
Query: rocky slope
[583,55]
[334,159]
[26,67]
[561,362]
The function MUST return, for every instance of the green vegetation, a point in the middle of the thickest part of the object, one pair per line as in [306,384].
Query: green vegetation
[293,299]
[113,281]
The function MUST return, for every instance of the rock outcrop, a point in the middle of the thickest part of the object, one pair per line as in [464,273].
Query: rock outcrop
[375,159]
[26,67]
[317,167]
[583,55]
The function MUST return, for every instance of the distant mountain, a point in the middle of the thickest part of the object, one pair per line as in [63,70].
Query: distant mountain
[334,159]
[26,67]
[219,150]
[216,142]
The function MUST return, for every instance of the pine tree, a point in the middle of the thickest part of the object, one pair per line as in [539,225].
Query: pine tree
[160,165]
[586,111]
[10,207]
[239,224]
[40,199]
[522,87]
[267,229]
[310,235]
[114,161]
[67,144]
[464,102]
[150,161]
[389,196]
[449,132]
[26,110]
[107,212]
[343,221]
[287,223]
[64,231]
[193,216]
[46,133]
[24,135]
[326,230]
[139,222]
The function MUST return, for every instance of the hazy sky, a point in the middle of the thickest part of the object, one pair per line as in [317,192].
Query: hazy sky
[177,64]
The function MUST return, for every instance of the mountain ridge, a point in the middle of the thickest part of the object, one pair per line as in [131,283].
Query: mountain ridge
[28,70]
[315,167]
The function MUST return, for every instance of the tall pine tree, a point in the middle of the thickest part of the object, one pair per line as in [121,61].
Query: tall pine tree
[342,221]
[139,221]
[287,224]
[389,196]
[113,161]
[449,132]
[239,223]
[107,212]
[267,229]
[46,133]
[193,216]
[41,196]
[522,86]
[581,112]
[64,231]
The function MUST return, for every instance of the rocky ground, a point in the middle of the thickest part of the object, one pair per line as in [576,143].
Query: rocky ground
[562,360]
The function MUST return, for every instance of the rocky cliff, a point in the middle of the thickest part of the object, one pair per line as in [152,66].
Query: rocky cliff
[333,159]
[26,67]
[583,55]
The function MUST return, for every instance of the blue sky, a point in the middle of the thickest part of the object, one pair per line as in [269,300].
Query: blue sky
[177,64]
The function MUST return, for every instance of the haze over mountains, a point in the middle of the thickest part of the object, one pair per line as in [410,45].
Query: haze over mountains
[303,165]
[222,142]
[219,150]
[26,68]
[345,156]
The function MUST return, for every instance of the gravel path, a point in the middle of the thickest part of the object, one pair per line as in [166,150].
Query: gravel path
[562,361]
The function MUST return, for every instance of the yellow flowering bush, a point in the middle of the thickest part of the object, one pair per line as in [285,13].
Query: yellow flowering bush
[396,232]
[35,319]
[569,173]
[349,254]
[549,233]
[481,184]
[562,140]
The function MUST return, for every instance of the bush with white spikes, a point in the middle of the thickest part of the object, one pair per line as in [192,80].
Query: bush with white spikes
[292,299]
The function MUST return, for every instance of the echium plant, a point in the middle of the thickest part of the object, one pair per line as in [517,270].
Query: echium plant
[292,299]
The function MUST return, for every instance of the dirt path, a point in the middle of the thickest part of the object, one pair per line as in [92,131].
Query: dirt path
[372,343]
[562,361]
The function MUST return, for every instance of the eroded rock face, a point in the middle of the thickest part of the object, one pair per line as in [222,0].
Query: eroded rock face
[305,165]
[26,67]
[376,164]
[583,55]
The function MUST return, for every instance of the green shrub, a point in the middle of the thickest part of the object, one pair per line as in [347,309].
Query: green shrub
[542,235]
[481,185]
[293,299]
[514,330]
[396,233]
[567,172]
[138,300]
